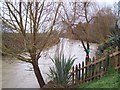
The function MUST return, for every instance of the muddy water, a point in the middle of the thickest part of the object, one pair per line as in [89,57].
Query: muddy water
[18,74]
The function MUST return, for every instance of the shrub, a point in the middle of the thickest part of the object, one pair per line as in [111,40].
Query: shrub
[59,73]
[115,37]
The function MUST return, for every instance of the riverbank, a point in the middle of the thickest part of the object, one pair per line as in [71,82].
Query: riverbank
[110,80]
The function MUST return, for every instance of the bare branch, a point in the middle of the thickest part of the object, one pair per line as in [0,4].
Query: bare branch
[7,3]
[45,42]
[41,10]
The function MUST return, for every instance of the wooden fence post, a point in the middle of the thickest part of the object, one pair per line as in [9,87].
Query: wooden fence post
[107,61]
[116,58]
[82,71]
[86,62]
[119,60]
[96,70]
[76,76]
[73,75]
[79,71]
[100,66]
[93,68]
[104,68]
[89,69]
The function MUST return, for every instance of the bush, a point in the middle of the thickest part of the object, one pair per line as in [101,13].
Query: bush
[59,73]
[113,41]
[115,38]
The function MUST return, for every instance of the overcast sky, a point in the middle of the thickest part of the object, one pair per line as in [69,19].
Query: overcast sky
[107,2]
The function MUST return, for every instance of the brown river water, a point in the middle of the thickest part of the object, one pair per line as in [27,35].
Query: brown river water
[18,74]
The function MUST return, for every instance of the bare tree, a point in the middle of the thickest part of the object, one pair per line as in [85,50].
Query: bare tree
[79,13]
[27,19]
[104,23]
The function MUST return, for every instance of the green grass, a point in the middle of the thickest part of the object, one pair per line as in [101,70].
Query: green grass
[110,80]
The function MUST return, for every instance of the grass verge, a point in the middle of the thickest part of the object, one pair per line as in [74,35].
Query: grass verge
[110,80]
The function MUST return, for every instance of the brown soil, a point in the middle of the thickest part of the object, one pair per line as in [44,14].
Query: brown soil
[52,84]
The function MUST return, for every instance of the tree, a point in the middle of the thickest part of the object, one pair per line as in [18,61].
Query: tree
[85,7]
[27,19]
[103,23]
[79,13]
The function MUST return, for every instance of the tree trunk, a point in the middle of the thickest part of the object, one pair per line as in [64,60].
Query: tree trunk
[87,53]
[38,74]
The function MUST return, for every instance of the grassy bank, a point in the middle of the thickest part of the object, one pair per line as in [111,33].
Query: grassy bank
[110,80]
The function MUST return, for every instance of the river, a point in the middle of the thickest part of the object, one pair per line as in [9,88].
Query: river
[18,74]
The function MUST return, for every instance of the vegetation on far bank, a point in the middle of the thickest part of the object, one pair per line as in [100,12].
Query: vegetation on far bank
[15,41]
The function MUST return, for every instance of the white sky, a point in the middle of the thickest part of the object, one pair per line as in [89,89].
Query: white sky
[107,2]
